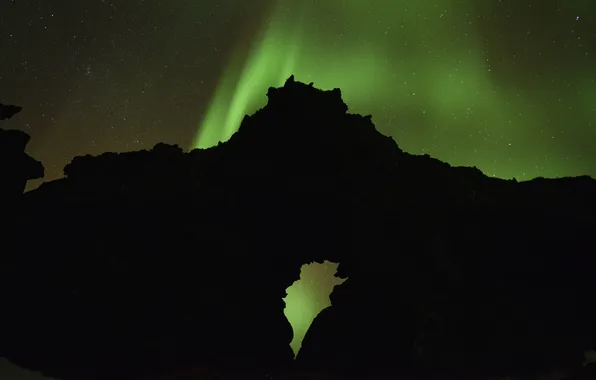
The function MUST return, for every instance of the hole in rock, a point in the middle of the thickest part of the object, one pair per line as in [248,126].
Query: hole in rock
[308,296]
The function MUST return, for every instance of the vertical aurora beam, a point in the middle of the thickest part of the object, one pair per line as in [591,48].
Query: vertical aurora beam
[424,70]
[383,54]
[287,46]
[270,62]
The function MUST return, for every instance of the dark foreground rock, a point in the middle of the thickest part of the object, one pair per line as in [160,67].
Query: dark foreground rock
[153,263]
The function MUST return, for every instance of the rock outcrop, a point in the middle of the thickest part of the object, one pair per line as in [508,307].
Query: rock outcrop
[8,111]
[16,166]
[151,263]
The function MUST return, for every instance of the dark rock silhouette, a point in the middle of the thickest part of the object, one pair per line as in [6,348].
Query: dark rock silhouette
[161,264]
[16,166]
[8,111]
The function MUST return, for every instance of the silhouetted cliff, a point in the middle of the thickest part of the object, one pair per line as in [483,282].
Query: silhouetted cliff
[8,111]
[158,262]
[16,166]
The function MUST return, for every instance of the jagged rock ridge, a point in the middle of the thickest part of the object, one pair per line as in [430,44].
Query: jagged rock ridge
[148,263]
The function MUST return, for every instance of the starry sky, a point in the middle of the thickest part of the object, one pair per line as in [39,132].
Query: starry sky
[508,86]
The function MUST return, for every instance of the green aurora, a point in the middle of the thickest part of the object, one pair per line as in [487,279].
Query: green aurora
[426,74]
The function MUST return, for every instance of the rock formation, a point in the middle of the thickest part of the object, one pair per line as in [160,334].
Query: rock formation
[8,111]
[150,263]
[16,166]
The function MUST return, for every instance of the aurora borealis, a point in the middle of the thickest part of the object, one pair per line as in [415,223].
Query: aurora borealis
[508,86]
[441,77]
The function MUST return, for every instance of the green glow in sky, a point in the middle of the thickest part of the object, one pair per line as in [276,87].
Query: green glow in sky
[308,296]
[426,75]
[439,77]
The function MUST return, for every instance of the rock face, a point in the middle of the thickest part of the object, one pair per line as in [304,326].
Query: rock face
[16,166]
[154,263]
[8,111]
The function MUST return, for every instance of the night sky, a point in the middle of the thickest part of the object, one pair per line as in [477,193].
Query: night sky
[508,86]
